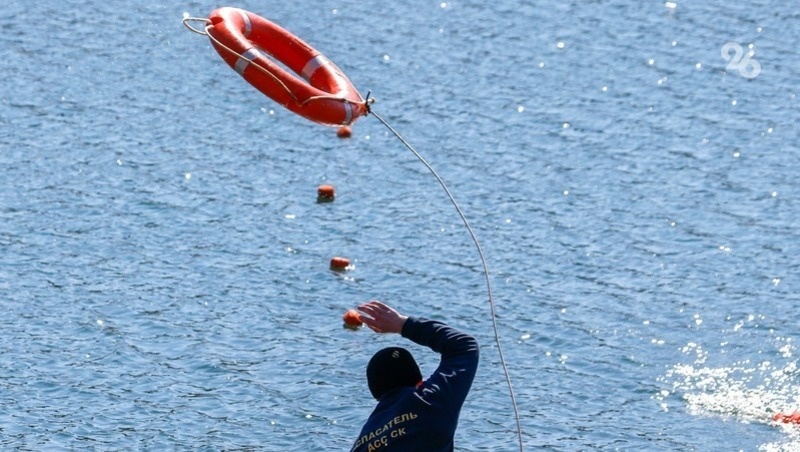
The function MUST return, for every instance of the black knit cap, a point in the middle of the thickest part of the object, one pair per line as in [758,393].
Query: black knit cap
[391,368]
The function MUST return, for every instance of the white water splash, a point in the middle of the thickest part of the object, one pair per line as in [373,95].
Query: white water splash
[750,392]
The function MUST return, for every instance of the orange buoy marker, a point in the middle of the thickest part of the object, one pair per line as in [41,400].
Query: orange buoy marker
[787,418]
[339,263]
[325,193]
[344,132]
[352,319]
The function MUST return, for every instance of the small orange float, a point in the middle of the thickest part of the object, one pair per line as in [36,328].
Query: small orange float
[324,94]
[352,319]
[344,132]
[339,263]
[325,193]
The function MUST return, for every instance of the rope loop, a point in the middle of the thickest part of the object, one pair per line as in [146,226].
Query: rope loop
[188,19]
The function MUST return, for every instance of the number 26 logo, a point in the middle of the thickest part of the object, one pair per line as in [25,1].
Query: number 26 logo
[740,60]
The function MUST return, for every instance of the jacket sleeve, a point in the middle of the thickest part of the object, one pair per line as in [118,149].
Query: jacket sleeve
[450,383]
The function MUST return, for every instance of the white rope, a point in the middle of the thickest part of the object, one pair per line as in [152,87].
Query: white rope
[483,262]
[186,21]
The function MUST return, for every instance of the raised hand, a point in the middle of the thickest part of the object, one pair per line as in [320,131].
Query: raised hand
[382,318]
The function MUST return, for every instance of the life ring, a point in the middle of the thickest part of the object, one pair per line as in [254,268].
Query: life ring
[324,94]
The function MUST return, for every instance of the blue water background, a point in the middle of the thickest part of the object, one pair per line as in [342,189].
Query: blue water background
[164,279]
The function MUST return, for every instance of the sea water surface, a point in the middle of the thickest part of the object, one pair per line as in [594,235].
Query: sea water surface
[634,181]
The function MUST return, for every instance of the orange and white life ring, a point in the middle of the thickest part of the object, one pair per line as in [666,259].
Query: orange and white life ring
[244,40]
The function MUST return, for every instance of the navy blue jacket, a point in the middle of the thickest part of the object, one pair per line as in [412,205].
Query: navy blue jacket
[425,418]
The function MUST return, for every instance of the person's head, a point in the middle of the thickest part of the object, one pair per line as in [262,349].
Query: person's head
[391,368]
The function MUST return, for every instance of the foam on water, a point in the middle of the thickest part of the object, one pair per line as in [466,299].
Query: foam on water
[747,391]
